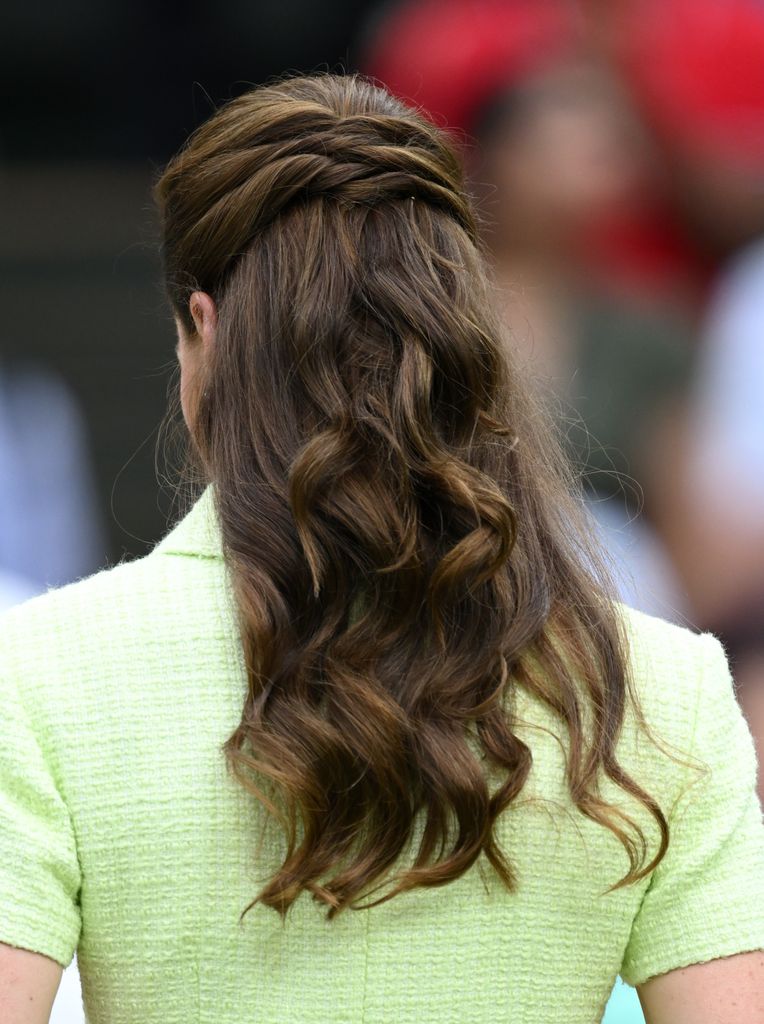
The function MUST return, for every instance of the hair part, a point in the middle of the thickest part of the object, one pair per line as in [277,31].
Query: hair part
[406,540]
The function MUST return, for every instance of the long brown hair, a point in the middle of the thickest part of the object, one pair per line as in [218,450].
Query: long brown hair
[406,540]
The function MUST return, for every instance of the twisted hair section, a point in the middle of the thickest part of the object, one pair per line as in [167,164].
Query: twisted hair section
[406,542]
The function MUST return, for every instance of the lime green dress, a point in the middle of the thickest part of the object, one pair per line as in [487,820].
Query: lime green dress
[123,838]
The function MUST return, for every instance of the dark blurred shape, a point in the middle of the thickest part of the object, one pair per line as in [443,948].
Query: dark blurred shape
[126,80]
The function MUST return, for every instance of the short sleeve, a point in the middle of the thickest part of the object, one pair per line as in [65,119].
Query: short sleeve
[705,899]
[39,868]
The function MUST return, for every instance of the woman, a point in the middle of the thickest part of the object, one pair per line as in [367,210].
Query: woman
[380,645]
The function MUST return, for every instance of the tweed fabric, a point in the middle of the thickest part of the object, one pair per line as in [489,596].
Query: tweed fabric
[123,837]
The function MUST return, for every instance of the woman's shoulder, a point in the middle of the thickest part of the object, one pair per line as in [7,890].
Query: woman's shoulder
[73,646]
[118,599]
[130,590]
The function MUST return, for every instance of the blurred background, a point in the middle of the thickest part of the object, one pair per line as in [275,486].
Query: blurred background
[615,150]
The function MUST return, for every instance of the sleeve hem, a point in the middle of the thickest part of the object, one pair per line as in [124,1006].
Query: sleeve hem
[58,944]
[714,949]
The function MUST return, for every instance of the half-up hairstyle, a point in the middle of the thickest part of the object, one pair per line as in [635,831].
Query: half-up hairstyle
[405,539]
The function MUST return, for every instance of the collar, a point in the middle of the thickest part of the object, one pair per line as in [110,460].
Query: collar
[197,533]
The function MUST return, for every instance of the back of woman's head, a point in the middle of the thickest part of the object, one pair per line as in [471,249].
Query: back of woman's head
[405,541]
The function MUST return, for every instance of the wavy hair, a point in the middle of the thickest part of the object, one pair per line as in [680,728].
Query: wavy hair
[405,537]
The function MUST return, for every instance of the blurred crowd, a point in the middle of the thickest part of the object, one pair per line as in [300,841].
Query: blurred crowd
[615,149]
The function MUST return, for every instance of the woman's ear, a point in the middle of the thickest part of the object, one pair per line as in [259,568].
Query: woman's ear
[205,316]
